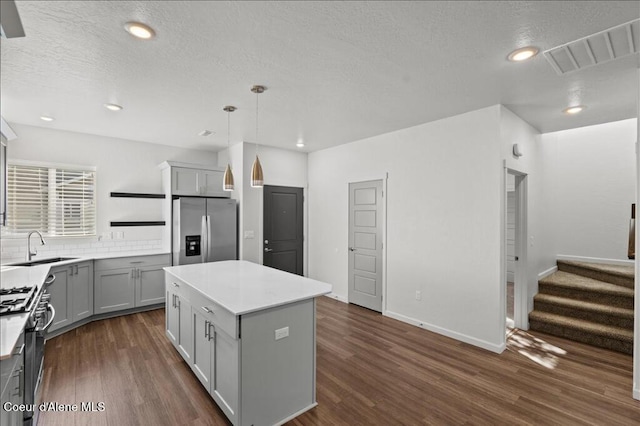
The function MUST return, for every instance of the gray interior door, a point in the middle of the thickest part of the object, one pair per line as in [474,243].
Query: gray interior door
[365,244]
[283,228]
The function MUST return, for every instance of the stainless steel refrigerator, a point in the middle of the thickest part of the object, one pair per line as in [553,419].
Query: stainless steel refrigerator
[204,230]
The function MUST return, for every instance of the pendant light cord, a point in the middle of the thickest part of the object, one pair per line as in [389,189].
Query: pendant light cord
[257,93]
[228,131]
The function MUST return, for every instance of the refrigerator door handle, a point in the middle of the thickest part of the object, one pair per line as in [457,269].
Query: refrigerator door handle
[205,239]
[209,238]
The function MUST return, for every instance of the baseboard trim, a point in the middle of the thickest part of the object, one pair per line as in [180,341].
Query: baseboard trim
[294,415]
[596,260]
[99,317]
[337,297]
[448,333]
[636,394]
[545,274]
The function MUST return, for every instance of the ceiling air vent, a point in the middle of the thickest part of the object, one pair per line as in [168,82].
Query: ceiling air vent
[595,49]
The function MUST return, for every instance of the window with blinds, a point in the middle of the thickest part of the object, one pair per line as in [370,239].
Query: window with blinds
[55,201]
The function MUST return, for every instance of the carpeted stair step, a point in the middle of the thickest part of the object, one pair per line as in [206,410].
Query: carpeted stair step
[604,336]
[622,275]
[578,287]
[589,311]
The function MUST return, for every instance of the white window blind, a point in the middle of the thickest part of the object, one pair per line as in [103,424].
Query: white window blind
[54,201]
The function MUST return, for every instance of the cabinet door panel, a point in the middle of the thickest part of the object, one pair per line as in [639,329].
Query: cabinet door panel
[225,372]
[173,318]
[185,338]
[211,183]
[60,297]
[82,290]
[202,349]
[184,181]
[114,290]
[150,285]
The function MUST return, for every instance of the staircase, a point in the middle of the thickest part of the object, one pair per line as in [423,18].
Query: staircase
[587,302]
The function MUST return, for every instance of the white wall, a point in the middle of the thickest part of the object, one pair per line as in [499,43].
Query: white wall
[443,222]
[121,165]
[590,187]
[538,255]
[282,168]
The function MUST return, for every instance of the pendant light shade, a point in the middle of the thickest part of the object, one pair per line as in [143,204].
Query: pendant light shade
[257,178]
[227,182]
[228,179]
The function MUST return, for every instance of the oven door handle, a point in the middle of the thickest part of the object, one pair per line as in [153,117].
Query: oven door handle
[53,315]
[50,279]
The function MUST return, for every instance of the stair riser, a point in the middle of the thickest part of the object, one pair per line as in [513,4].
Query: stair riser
[597,317]
[580,336]
[586,295]
[597,275]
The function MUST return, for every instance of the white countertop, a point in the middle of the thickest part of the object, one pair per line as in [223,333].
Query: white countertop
[11,326]
[242,287]
[17,276]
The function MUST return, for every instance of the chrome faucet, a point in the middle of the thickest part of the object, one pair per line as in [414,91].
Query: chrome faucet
[34,252]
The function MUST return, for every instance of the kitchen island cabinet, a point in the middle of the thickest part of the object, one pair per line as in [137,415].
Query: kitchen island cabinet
[253,337]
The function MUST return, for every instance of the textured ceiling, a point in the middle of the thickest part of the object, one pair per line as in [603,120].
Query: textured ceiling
[335,71]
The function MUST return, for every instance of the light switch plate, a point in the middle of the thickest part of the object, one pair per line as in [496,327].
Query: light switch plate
[281,333]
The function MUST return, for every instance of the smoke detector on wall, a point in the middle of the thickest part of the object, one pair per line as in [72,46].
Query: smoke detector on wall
[599,48]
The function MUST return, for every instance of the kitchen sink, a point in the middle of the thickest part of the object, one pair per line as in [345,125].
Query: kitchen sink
[43,261]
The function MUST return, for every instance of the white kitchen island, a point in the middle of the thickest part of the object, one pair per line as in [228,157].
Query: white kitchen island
[248,333]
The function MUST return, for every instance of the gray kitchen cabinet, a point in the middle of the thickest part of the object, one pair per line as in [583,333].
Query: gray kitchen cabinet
[12,385]
[179,322]
[192,180]
[114,290]
[129,282]
[215,361]
[60,292]
[198,182]
[150,285]
[71,293]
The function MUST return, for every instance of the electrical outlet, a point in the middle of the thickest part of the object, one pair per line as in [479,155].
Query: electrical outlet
[418,295]
[281,333]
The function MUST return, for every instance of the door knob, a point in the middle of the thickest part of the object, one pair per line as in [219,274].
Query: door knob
[267,249]
[266,241]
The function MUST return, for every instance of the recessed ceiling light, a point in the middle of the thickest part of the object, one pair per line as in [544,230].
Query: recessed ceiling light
[139,30]
[206,133]
[300,143]
[574,109]
[523,54]
[113,107]
[46,118]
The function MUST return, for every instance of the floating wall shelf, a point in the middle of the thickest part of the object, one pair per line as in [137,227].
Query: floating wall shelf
[136,195]
[139,223]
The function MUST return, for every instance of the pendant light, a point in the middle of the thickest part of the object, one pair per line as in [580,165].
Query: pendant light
[227,183]
[257,178]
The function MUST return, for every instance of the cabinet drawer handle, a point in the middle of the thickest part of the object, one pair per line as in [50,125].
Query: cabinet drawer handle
[207,310]
[138,261]
[176,285]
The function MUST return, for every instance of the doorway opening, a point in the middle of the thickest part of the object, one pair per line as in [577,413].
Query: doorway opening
[516,251]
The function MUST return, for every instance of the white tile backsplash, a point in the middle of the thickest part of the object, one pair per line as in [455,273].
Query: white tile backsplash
[15,250]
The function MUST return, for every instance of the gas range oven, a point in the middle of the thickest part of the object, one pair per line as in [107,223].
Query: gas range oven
[33,300]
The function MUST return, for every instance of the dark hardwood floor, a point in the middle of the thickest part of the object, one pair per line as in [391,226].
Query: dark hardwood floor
[372,370]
